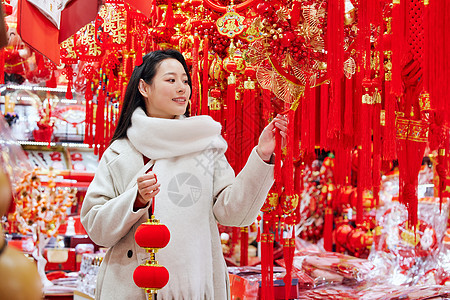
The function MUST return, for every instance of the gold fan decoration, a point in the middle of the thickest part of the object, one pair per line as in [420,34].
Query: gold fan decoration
[284,73]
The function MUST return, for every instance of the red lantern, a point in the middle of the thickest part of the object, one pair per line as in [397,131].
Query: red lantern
[151,277]
[151,236]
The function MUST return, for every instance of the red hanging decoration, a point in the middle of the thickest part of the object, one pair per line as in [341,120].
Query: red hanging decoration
[51,83]
[249,114]
[89,114]
[215,106]
[328,229]
[231,110]
[376,159]
[323,115]
[305,124]
[398,45]
[312,119]
[99,138]
[195,78]
[205,79]
[151,235]
[335,65]
[244,246]
[348,108]
[388,152]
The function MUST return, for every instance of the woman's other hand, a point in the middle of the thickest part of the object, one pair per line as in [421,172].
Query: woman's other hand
[266,143]
[148,187]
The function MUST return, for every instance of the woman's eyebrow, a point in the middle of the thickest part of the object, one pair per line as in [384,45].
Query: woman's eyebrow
[173,73]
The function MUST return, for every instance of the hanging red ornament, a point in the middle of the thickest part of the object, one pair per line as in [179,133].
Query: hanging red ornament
[205,79]
[111,25]
[195,109]
[272,201]
[86,45]
[152,236]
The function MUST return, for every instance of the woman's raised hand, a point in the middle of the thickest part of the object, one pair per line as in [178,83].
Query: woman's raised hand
[266,143]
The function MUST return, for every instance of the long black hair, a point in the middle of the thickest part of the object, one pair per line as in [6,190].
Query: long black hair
[146,71]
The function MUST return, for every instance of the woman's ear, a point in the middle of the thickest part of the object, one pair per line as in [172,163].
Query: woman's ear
[143,88]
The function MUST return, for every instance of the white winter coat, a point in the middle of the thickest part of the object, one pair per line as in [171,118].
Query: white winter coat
[193,257]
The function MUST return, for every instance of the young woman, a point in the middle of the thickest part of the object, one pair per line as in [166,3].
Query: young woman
[158,153]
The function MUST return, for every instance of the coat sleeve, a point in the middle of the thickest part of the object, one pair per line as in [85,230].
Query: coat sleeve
[106,215]
[239,199]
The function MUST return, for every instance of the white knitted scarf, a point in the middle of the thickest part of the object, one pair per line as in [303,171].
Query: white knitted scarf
[159,138]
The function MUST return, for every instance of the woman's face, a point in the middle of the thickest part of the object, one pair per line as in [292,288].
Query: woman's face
[168,94]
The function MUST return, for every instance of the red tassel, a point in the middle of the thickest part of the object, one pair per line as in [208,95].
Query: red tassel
[312,120]
[359,190]
[258,234]
[249,118]
[99,124]
[442,171]
[288,166]
[334,114]
[69,94]
[244,246]
[323,115]
[88,119]
[169,15]
[111,82]
[305,139]
[348,113]
[288,247]
[296,142]
[138,60]
[277,168]
[342,171]
[335,63]
[230,115]
[398,45]
[271,291]
[436,61]
[328,229]
[51,83]
[195,77]
[376,173]
[205,79]
[389,127]
[238,142]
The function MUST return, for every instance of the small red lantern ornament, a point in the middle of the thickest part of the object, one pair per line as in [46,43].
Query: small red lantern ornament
[151,276]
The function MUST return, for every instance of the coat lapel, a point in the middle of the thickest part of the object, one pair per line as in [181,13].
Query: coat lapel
[127,166]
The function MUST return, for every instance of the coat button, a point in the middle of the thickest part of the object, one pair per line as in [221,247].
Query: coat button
[130,253]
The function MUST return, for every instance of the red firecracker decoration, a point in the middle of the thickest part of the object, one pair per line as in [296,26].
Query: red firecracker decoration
[151,235]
